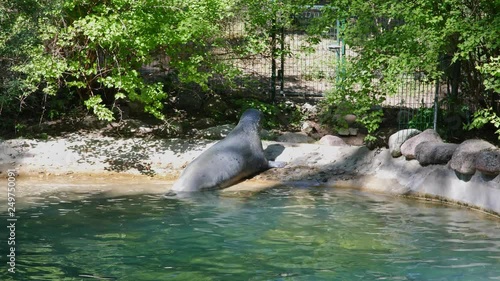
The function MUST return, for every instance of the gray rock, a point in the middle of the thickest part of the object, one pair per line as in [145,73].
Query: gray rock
[295,138]
[343,132]
[215,105]
[463,160]
[332,141]
[204,123]
[353,131]
[408,147]
[144,130]
[217,132]
[309,110]
[350,118]
[308,127]
[169,129]
[398,138]
[268,135]
[428,153]
[93,122]
[488,162]
[188,100]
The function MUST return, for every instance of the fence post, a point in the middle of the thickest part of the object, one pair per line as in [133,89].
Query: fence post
[282,65]
[436,107]
[273,61]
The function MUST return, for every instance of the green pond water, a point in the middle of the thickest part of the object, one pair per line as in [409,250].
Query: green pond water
[280,234]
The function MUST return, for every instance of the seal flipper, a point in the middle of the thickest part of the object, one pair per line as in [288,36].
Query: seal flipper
[276,164]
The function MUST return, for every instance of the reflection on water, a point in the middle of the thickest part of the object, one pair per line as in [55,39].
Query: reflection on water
[282,234]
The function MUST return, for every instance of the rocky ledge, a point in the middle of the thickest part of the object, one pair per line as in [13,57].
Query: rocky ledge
[101,159]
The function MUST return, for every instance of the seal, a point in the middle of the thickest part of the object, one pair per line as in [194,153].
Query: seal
[232,159]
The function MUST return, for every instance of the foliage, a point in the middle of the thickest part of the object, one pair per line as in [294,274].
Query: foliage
[272,112]
[363,100]
[483,117]
[392,39]
[423,119]
[262,18]
[95,49]
[491,72]
[269,110]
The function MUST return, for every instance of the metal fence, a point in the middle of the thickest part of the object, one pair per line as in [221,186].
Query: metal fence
[293,67]
[305,70]
[416,102]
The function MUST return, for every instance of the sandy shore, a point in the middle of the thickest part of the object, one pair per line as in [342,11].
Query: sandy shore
[76,166]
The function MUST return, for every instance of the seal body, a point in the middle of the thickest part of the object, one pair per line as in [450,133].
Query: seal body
[230,160]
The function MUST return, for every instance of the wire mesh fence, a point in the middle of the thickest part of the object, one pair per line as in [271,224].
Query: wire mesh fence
[415,99]
[293,66]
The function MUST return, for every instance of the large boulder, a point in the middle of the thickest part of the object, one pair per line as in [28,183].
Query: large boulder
[408,147]
[428,153]
[332,141]
[398,138]
[463,160]
[295,138]
[488,162]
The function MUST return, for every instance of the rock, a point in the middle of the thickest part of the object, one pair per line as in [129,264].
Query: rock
[428,153]
[215,105]
[295,138]
[169,129]
[92,122]
[308,127]
[408,147]
[131,127]
[314,129]
[343,132]
[463,160]
[332,141]
[398,138]
[267,135]
[144,130]
[217,132]
[353,131]
[188,100]
[488,162]
[309,110]
[350,118]
[204,123]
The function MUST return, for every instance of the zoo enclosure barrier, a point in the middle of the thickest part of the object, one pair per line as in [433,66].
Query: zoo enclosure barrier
[295,68]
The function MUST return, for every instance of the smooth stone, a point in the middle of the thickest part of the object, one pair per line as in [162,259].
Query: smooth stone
[353,131]
[332,141]
[343,132]
[398,138]
[350,118]
[408,147]
[217,132]
[308,127]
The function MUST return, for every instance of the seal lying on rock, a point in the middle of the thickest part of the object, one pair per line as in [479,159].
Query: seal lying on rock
[230,160]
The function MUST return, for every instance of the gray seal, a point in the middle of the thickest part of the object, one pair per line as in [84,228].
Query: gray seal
[232,159]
